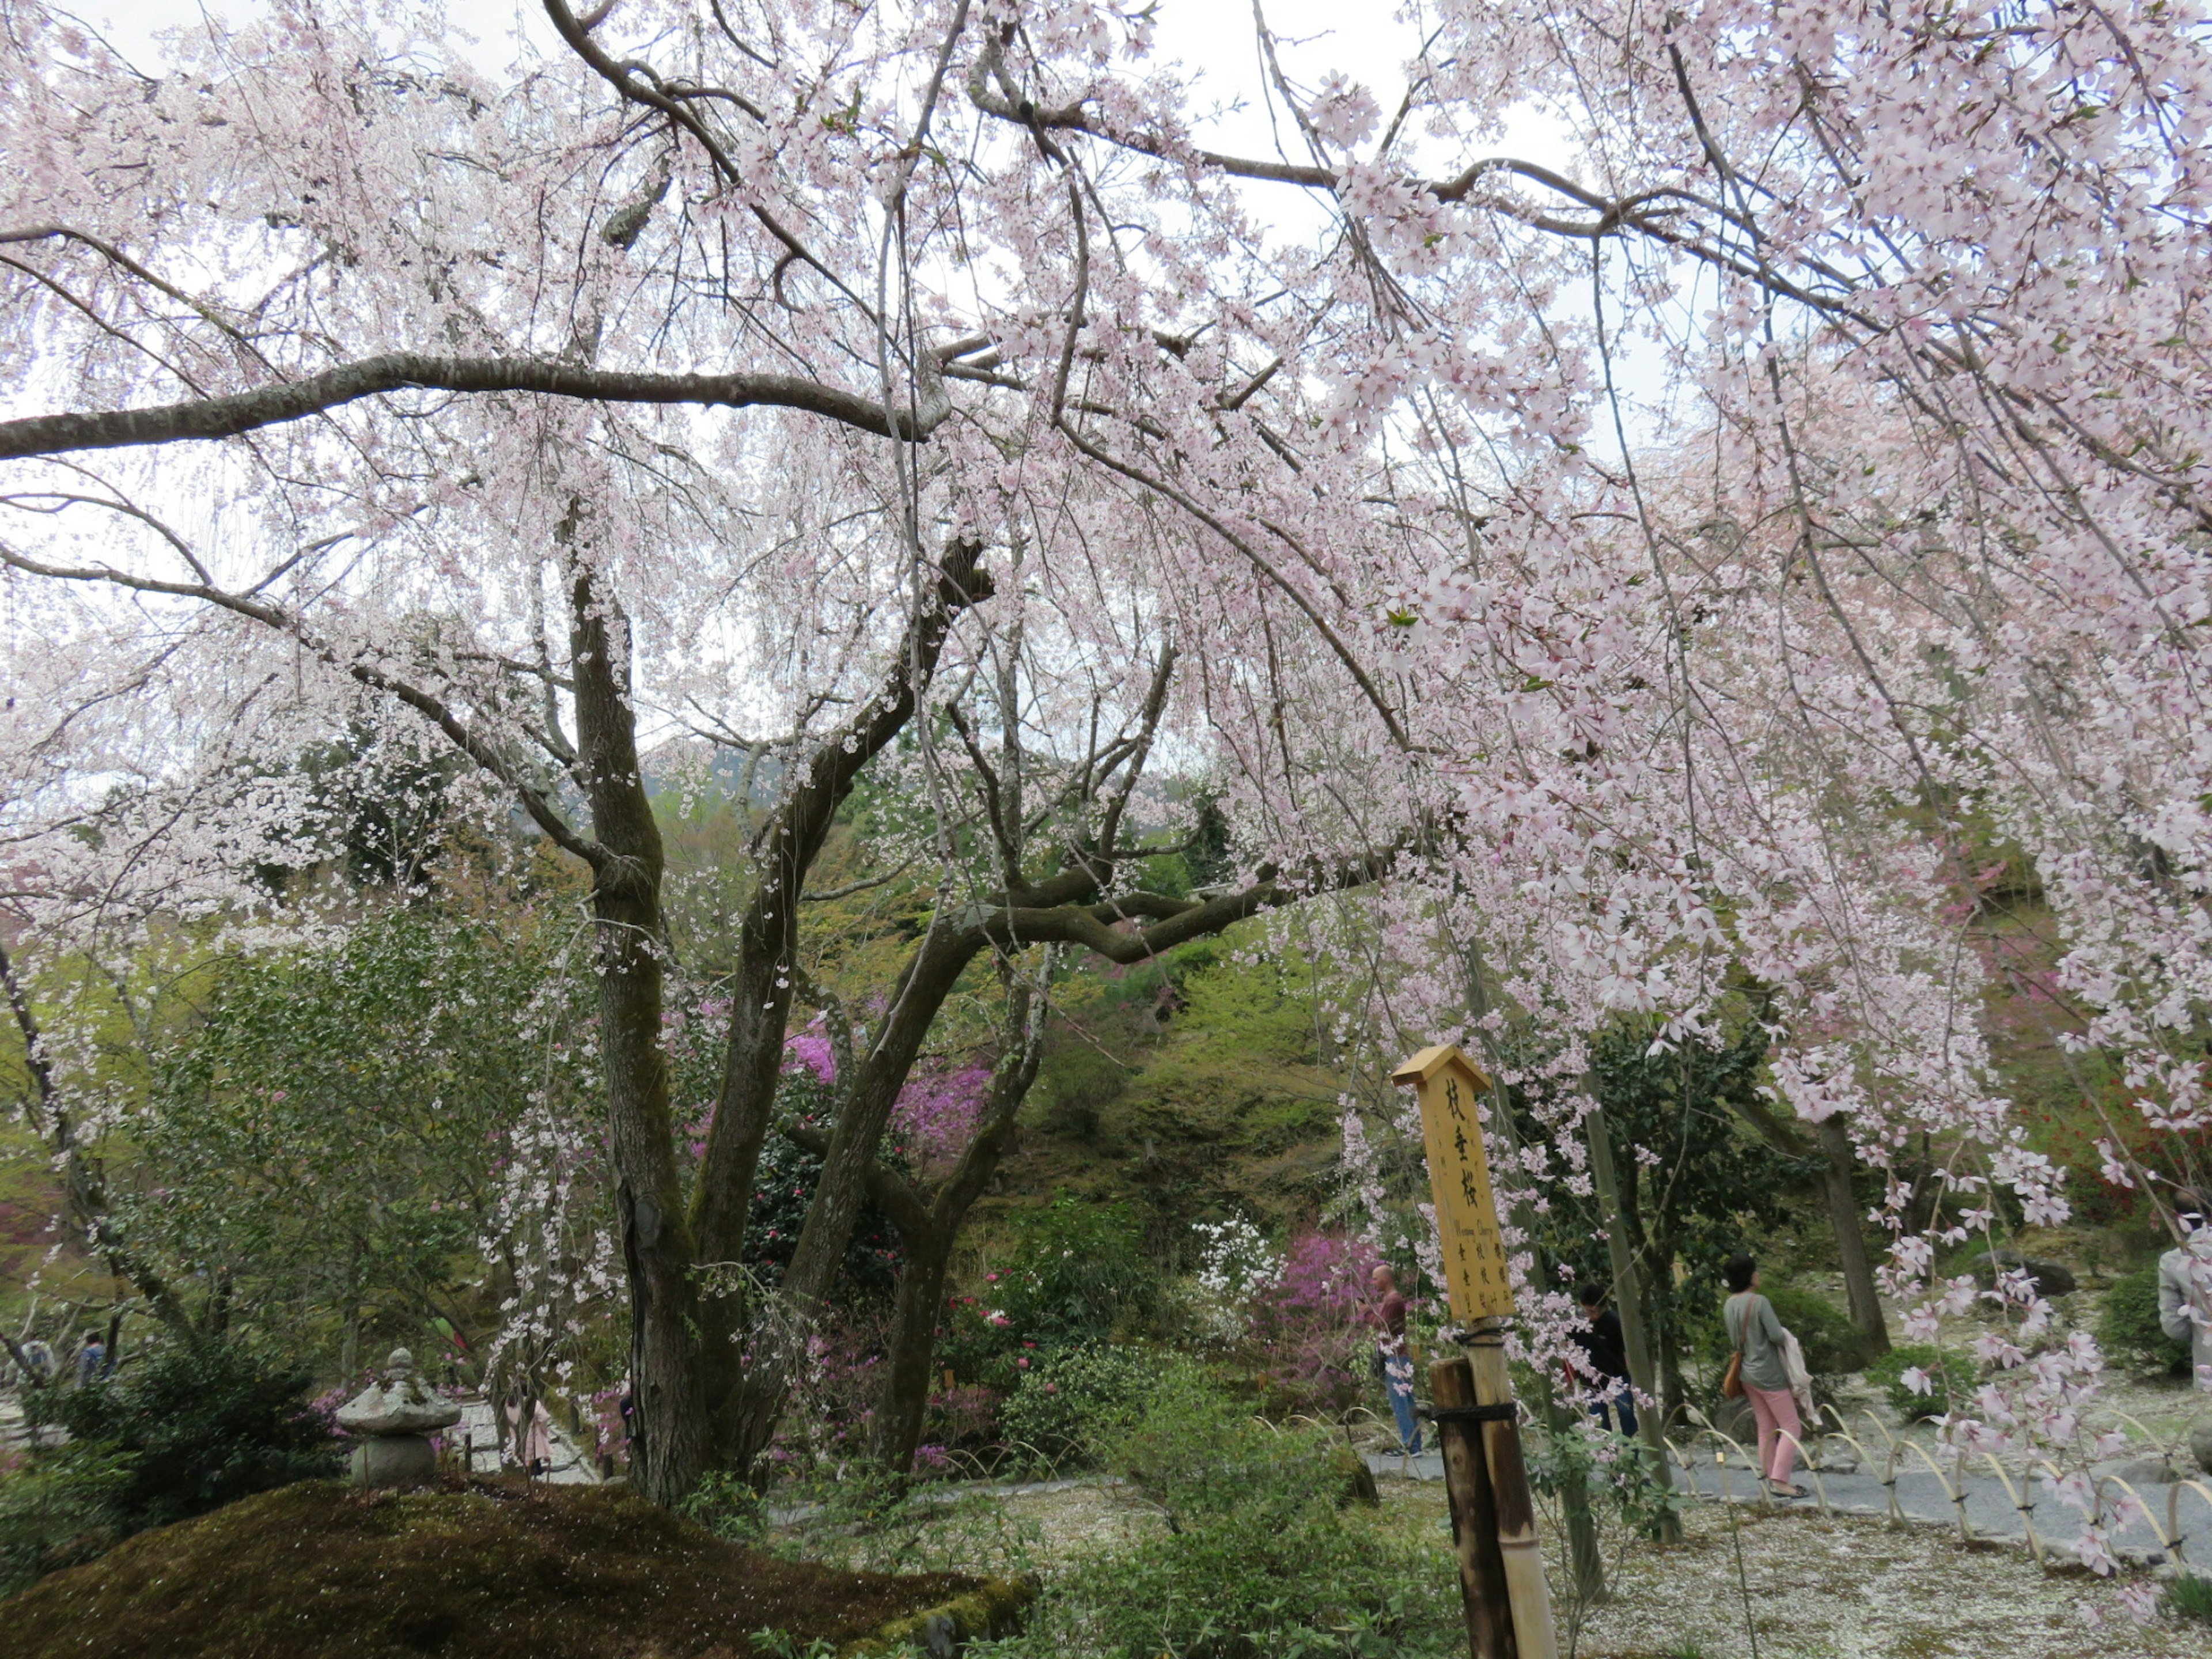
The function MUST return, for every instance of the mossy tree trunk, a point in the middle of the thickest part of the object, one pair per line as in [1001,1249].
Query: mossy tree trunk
[1851,1238]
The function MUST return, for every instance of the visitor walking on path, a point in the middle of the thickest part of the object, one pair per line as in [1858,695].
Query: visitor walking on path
[2184,1286]
[1759,1337]
[1605,1353]
[1393,1358]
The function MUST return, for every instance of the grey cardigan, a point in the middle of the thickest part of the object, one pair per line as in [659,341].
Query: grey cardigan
[1753,1327]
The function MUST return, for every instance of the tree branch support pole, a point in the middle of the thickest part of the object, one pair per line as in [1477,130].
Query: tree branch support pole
[1535,1635]
[1628,1296]
[1473,1512]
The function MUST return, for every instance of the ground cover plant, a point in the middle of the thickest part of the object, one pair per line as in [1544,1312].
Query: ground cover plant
[561,1573]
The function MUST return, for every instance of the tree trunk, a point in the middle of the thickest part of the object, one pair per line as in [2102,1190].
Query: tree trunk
[1674,1387]
[930,1231]
[1629,1296]
[1850,1238]
[745,1379]
[911,1362]
[671,1448]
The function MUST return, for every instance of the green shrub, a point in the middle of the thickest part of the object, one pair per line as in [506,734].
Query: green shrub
[2189,1596]
[57,1508]
[728,1506]
[1831,1342]
[1262,1559]
[2127,1328]
[1077,1271]
[1950,1374]
[1075,1087]
[202,1424]
[1071,1400]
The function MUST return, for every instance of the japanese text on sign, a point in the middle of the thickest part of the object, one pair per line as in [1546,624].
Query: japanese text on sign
[1449,1084]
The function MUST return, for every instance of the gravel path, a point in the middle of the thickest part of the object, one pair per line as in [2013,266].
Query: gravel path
[2171,1510]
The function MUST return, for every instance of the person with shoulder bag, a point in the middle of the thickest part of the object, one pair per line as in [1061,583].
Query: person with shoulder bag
[1393,1357]
[1759,1369]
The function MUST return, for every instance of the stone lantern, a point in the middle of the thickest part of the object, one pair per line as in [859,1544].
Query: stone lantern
[391,1421]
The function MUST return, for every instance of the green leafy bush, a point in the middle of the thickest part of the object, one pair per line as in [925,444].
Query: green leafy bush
[1950,1374]
[1075,1087]
[1069,1402]
[2127,1328]
[57,1508]
[1831,1342]
[1262,1559]
[1629,1480]
[324,1136]
[1078,1270]
[726,1506]
[201,1424]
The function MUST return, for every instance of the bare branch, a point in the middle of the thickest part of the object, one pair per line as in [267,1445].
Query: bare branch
[405,370]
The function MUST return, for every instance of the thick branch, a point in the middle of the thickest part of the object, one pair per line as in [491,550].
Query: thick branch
[769,930]
[404,371]
[888,1190]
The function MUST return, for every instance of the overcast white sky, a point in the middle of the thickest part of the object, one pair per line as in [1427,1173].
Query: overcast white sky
[1362,37]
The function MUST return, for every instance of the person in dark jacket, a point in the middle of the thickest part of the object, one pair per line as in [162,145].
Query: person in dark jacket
[1613,1403]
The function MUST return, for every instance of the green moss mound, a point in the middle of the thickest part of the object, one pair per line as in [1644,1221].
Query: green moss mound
[321,1570]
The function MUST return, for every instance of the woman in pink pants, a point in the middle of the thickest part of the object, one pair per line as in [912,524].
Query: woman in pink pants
[1756,1333]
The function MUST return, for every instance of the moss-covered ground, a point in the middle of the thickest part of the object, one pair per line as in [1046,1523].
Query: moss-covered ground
[321,1570]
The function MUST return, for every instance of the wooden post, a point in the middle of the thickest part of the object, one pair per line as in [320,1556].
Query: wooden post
[1473,1514]
[1493,1516]
[1518,1550]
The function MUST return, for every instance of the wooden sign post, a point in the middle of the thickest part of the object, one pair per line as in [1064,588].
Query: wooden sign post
[1501,1566]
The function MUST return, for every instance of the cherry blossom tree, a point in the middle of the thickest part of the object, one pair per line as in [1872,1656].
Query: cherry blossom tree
[710,373]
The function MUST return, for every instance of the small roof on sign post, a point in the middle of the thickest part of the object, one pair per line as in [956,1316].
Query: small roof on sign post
[1427,1063]
[1449,1086]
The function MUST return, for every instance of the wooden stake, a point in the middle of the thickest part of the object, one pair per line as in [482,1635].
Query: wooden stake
[1473,1515]
[1522,1556]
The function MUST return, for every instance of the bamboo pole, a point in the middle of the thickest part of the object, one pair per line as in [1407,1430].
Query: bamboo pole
[1585,1560]
[1473,1514]
[1522,1556]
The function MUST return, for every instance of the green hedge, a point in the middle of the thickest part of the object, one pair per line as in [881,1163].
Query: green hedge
[1068,1399]
[2127,1328]
[1951,1374]
[1831,1342]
